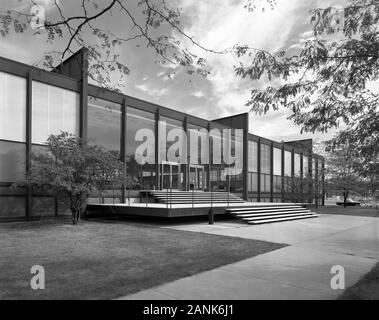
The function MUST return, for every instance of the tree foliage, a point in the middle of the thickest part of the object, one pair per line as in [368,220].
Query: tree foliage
[344,170]
[72,169]
[153,23]
[326,84]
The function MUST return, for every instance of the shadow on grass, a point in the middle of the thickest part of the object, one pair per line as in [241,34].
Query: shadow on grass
[366,288]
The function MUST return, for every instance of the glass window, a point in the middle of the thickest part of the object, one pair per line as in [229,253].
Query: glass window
[104,123]
[12,161]
[43,206]
[252,182]
[170,138]
[142,174]
[297,165]
[11,207]
[287,163]
[253,156]
[277,162]
[198,144]
[12,107]
[54,110]
[265,158]
[305,167]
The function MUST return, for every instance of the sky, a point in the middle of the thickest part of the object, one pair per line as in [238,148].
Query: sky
[216,24]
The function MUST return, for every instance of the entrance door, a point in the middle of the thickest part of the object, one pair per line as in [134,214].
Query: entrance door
[170,175]
[196,177]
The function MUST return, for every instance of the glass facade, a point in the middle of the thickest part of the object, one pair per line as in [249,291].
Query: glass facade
[265,168]
[140,148]
[288,175]
[12,107]
[104,123]
[305,176]
[277,171]
[53,110]
[198,141]
[252,167]
[12,161]
[181,164]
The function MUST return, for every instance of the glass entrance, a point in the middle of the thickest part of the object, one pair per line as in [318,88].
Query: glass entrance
[196,177]
[170,175]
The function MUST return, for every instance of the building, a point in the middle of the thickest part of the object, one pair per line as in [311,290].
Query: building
[35,103]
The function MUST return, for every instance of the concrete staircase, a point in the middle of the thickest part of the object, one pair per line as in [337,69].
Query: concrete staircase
[260,214]
[189,197]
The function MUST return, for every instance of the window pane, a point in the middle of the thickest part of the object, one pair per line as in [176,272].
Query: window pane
[43,206]
[12,107]
[12,161]
[297,165]
[163,149]
[104,123]
[265,158]
[54,110]
[277,162]
[305,167]
[143,175]
[11,207]
[287,163]
[253,156]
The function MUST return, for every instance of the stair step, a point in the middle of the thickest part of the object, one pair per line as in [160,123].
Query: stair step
[232,210]
[240,213]
[270,213]
[277,216]
[282,219]
[266,211]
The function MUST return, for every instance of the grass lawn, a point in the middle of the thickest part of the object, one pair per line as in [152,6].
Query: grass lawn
[365,289]
[108,259]
[349,211]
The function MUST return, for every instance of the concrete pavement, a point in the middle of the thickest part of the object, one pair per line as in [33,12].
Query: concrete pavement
[299,271]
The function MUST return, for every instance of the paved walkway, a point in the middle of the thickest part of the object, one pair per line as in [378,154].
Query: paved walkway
[299,271]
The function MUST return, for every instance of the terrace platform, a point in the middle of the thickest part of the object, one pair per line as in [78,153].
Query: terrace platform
[173,210]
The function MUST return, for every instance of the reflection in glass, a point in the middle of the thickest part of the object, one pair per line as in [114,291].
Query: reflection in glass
[12,161]
[142,175]
[12,107]
[53,110]
[104,123]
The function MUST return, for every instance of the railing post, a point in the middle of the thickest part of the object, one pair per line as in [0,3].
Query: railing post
[210,213]
[193,190]
[170,197]
[228,188]
[167,197]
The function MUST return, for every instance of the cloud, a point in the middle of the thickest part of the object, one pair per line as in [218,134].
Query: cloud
[219,24]
[152,91]
[198,94]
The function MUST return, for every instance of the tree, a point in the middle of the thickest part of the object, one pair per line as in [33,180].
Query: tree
[72,169]
[343,171]
[152,22]
[326,83]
